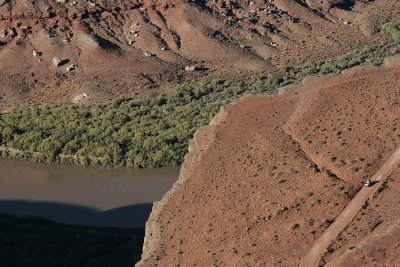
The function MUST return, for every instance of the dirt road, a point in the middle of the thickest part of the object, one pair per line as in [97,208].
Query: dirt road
[346,216]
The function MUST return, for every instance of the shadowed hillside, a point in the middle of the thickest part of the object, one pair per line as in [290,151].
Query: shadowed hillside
[29,241]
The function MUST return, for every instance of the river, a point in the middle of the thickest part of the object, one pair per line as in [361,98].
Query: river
[77,195]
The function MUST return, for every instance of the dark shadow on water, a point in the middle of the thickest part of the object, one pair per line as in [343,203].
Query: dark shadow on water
[124,217]
[38,242]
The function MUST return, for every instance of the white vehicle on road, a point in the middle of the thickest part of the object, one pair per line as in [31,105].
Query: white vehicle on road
[367,183]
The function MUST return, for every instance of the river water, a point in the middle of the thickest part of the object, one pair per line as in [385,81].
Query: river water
[82,195]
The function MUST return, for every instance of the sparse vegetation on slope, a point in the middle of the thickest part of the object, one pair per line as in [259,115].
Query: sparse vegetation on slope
[393,28]
[149,132]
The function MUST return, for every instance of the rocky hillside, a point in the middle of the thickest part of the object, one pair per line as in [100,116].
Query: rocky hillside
[270,174]
[61,51]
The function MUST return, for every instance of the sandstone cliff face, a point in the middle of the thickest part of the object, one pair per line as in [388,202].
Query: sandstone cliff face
[202,139]
[269,174]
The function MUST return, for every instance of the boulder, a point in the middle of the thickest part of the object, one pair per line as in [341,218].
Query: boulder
[56,61]
[148,54]
[190,68]
[36,53]
[72,67]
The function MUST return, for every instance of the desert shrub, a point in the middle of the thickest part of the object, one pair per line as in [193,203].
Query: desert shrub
[393,28]
[150,132]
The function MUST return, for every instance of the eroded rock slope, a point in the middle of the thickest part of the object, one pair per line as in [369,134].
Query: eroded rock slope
[108,49]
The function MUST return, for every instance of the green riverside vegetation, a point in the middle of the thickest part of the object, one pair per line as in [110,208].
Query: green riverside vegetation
[156,131]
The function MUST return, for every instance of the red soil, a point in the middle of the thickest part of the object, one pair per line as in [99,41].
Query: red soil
[228,39]
[255,192]
[372,239]
[321,245]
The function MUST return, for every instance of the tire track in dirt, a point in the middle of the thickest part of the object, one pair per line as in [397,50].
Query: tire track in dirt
[347,215]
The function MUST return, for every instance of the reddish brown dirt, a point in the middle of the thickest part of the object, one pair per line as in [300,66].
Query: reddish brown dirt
[372,239]
[319,247]
[255,192]
[108,41]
